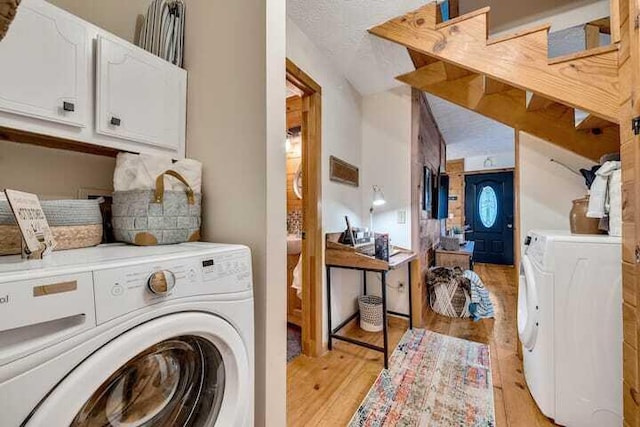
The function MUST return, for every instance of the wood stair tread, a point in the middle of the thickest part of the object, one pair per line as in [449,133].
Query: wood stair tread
[584,54]
[518,34]
[586,80]
[462,18]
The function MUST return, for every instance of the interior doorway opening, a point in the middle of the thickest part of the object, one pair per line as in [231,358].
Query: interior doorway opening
[304,208]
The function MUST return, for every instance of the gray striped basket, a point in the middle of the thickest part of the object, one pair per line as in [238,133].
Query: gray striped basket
[74,224]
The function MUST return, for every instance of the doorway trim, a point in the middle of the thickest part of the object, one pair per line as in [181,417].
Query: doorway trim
[312,244]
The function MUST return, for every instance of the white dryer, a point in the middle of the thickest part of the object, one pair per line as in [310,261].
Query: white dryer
[128,336]
[570,326]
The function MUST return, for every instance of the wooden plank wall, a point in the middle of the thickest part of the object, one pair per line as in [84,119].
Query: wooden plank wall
[427,149]
[294,120]
[455,170]
[630,153]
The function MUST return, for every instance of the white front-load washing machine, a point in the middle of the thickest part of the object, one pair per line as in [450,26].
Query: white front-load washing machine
[570,326]
[119,335]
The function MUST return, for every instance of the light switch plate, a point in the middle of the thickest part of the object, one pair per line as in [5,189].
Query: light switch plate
[402,217]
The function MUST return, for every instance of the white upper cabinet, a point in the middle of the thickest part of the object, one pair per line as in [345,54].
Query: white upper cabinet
[139,96]
[65,78]
[44,66]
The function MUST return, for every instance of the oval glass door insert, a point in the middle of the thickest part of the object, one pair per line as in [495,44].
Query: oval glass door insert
[488,206]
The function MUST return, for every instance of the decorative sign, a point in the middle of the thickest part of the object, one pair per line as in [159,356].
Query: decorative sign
[341,171]
[33,225]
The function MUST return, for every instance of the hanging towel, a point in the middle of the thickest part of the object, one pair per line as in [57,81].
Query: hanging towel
[297,278]
[598,199]
[481,306]
[162,32]
[615,203]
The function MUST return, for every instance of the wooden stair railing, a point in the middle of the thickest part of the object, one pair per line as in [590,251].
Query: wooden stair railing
[513,107]
[587,81]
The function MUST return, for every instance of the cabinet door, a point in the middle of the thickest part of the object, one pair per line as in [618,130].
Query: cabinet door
[140,97]
[43,65]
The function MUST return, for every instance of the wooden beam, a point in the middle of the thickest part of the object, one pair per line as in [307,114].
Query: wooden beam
[454,72]
[491,86]
[426,76]
[588,82]
[591,36]
[434,75]
[603,24]
[615,22]
[420,60]
[554,124]
[586,121]
[536,102]
[587,53]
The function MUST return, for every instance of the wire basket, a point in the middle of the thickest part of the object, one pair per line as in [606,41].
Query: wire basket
[370,313]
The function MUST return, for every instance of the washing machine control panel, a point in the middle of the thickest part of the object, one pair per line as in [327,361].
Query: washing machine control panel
[536,249]
[121,291]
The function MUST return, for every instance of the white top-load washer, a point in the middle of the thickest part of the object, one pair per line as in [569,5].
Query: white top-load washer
[128,336]
[570,326]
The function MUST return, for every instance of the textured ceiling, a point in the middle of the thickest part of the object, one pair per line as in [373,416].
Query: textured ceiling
[469,134]
[339,29]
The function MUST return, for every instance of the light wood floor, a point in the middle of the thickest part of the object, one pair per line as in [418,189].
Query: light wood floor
[326,391]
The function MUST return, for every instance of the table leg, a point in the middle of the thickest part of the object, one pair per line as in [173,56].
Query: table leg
[384,320]
[329,305]
[364,280]
[410,299]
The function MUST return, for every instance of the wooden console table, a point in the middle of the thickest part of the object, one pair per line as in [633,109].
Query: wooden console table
[338,255]
[462,258]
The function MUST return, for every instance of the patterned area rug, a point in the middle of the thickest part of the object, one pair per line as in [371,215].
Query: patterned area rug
[294,342]
[432,380]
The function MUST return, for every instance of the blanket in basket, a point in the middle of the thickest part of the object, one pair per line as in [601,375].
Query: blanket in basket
[457,293]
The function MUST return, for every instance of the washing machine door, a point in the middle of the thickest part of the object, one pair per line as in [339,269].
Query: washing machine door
[527,305]
[185,369]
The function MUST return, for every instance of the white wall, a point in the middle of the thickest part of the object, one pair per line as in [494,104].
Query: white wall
[236,127]
[386,162]
[490,161]
[52,173]
[341,137]
[275,308]
[119,17]
[546,188]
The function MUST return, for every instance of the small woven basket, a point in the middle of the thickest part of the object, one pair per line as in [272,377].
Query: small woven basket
[370,313]
[74,224]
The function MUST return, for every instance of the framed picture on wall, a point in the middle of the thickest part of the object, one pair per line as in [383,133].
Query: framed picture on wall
[427,190]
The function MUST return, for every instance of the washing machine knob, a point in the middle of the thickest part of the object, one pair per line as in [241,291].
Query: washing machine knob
[161,282]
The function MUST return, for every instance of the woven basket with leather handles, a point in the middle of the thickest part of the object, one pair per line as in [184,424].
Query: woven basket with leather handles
[157,217]
[8,9]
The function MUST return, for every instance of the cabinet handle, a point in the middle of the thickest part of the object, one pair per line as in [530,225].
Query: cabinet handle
[68,106]
[115,121]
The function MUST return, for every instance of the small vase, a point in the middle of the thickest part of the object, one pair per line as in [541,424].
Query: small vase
[580,223]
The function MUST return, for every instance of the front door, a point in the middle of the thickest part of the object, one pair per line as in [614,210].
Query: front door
[489,214]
